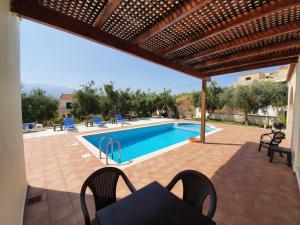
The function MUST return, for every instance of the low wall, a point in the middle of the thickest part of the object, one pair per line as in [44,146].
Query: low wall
[253,119]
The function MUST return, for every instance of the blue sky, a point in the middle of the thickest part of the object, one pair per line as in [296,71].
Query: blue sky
[50,56]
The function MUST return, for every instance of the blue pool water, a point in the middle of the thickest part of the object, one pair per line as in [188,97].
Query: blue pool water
[141,141]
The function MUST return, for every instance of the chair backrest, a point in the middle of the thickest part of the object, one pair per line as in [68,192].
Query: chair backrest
[68,121]
[278,126]
[119,117]
[196,188]
[277,138]
[97,119]
[103,184]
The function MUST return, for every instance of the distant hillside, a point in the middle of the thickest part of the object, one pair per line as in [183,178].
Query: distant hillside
[52,90]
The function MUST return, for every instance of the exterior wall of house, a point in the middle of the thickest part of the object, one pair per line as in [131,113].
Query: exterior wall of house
[249,78]
[12,163]
[293,118]
[277,76]
[62,108]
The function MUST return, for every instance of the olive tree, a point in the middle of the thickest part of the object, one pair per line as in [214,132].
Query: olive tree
[38,107]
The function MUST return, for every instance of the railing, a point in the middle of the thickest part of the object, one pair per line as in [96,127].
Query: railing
[110,144]
[100,143]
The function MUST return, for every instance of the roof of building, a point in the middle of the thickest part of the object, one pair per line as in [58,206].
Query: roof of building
[66,97]
[201,38]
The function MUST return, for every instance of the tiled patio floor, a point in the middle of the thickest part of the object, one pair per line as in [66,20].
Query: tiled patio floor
[250,189]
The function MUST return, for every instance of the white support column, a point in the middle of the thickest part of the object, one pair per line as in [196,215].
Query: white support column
[293,118]
[12,165]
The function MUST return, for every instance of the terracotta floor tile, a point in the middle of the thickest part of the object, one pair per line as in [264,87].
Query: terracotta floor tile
[35,209]
[42,218]
[250,190]
[61,212]
[70,220]
[59,199]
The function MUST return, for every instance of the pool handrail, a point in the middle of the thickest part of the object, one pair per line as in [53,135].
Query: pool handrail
[100,143]
[111,143]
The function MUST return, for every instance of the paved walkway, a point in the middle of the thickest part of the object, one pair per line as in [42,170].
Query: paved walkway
[251,191]
[82,128]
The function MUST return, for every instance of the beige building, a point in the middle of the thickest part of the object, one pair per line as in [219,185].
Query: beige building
[65,105]
[279,75]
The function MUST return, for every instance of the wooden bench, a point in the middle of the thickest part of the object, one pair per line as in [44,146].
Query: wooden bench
[281,151]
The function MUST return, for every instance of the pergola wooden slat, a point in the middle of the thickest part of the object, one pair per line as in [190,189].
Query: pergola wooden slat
[37,13]
[253,66]
[258,57]
[201,38]
[187,9]
[252,52]
[108,9]
[247,40]
[263,11]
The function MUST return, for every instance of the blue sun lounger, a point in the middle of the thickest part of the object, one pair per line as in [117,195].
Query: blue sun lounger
[119,118]
[69,124]
[97,121]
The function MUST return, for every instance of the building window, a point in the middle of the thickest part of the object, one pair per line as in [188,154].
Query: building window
[267,77]
[69,116]
[69,105]
[248,78]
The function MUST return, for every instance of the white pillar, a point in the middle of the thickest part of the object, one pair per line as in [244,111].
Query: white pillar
[293,118]
[12,166]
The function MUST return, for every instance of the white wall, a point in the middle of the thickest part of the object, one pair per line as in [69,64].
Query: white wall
[293,120]
[12,167]
[253,119]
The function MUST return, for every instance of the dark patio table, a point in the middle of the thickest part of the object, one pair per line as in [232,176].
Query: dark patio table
[89,122]
[151,205]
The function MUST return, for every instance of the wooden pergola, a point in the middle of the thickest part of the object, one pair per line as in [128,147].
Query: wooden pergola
[201,38]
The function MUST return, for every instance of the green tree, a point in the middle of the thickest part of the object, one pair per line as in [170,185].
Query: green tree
[38,107]
[271,93]
[245,99]
[151,102]
[113,98]
[86,101]
[196,99]
[166,102]
[139,103]
[125,101]
[213,98]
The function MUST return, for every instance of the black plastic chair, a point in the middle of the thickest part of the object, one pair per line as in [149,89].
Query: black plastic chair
[103,184]
[273,139]
[277,127]
[196,188]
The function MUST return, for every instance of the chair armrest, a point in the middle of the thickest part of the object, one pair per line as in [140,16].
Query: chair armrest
[128,183]
[266,135]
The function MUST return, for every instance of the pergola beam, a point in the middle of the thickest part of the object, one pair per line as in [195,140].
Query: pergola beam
[254,66]
[259,51]
[247,40]
[109,8]
[259,12]
[260,59]
[33,11]
[189,7]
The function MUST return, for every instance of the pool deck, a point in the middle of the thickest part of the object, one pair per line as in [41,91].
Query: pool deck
[250,190]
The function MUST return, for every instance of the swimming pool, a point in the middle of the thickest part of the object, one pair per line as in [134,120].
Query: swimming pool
[137,142]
